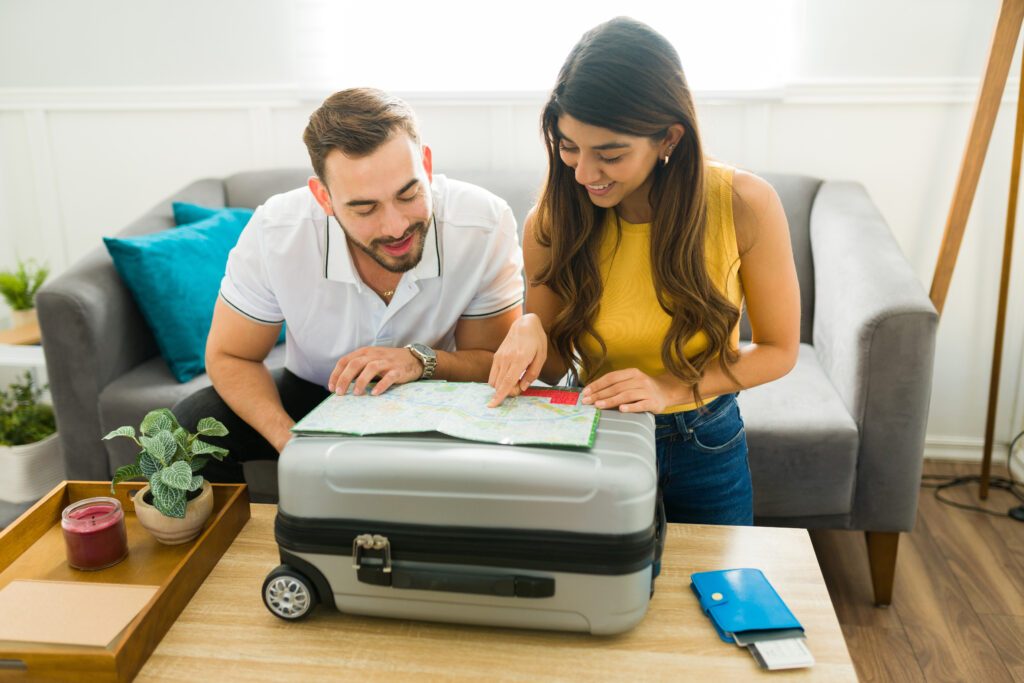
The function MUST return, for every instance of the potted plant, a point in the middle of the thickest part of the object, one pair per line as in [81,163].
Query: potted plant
[19,288]
[177,501]
[30,456]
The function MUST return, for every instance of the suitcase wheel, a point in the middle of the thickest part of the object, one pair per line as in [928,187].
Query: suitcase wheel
[288,594]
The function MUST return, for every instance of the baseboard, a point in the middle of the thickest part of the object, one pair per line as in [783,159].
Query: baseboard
[956,448]
[970,450]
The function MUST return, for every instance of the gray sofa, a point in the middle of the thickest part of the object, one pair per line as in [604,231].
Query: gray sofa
[837,443]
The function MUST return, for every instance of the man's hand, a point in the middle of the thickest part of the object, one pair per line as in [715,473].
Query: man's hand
[519,360]
[632,391]
[391,366]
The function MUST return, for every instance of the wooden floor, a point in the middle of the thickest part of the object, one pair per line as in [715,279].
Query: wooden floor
[958,602]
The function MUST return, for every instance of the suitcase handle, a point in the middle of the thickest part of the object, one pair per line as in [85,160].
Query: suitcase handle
[371,558]
[505,585]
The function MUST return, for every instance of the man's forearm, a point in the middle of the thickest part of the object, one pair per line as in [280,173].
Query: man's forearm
[249,390]
[471,365]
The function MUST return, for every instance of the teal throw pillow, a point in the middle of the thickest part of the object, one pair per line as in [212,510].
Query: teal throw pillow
[185,213]
[175,276]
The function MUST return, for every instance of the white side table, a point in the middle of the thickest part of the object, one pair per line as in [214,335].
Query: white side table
[12,355]
[23,357]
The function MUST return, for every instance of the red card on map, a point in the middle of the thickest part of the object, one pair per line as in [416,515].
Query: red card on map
[557,396]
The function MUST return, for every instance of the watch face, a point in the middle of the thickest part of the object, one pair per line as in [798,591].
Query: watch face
[423,351]
[427,356]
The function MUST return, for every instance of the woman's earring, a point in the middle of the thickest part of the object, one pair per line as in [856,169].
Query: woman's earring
[664,160]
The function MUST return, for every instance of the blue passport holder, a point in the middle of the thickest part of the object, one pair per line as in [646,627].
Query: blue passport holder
[740,600]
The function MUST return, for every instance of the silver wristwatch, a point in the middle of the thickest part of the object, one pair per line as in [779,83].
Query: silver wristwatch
[425,355]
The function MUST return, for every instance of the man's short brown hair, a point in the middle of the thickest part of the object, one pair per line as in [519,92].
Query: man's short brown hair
[356,121]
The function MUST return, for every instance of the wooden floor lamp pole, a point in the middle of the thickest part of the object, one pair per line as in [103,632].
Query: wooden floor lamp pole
[1004,288]
[1004,41]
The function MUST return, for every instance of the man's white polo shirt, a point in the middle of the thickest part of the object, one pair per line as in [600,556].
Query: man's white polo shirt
[292,264]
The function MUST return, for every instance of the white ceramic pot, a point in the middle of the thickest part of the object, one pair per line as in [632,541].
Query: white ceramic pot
[172,530]
[27,472]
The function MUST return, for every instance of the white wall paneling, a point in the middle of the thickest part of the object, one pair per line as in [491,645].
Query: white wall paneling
[110,166]
[19,207]
[49,201]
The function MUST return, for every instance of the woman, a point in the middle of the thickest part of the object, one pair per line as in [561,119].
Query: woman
[639,256]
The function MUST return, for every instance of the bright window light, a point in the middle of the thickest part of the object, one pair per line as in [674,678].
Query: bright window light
[518,47]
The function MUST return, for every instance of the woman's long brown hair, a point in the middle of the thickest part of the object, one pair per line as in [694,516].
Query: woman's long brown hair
[626,77]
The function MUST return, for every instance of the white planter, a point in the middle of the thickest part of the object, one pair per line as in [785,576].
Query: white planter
[172,530]
[27,472]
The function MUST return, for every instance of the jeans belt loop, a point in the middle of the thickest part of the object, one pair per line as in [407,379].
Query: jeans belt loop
[681,425]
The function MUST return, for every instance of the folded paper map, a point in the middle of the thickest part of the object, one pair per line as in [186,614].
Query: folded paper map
[546,416]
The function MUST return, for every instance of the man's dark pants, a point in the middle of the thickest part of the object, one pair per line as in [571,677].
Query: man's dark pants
[243,442]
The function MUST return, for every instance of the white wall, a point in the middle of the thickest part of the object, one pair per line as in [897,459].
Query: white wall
[125,43]
[916,39]
[107,107]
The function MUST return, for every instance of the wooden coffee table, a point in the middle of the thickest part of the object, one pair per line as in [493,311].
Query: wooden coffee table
[226,633]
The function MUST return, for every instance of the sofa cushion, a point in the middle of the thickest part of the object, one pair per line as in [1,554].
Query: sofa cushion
[519,188]
[174,276]
[797,194]
[803,443]
[148,386]
[252,188]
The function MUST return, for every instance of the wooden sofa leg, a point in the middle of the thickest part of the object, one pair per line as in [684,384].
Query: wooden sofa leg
[882,558]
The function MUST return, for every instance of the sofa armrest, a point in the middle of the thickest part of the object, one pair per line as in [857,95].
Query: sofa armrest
[93,333]
[874,333]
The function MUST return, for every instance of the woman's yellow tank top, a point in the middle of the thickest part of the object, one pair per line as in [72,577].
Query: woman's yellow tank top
[630,320]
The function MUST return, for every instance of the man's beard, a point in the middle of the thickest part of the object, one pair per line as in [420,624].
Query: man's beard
[394,264]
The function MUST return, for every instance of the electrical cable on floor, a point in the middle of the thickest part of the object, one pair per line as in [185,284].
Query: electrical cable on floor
[941,482]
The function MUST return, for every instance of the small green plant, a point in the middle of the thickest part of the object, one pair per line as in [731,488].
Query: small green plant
[19,287]
[23,419]
[170,458]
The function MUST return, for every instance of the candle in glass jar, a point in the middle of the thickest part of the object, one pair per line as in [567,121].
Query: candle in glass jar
[94,533]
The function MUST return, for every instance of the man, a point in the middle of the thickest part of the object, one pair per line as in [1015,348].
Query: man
[380,270]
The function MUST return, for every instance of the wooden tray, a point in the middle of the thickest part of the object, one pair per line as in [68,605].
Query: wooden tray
[32,547]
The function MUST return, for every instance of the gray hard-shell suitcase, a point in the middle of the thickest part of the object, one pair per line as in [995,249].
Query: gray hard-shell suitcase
[427,527]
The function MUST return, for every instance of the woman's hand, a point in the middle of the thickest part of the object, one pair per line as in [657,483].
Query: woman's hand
[632,391]
[518,361]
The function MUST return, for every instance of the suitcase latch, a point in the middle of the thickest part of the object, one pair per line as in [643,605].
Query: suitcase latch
[376,549]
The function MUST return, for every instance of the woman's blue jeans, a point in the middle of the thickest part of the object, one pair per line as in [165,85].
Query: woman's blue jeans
[703,473]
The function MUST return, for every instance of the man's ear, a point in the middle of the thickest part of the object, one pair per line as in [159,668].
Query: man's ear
[320,193]
[428,162]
